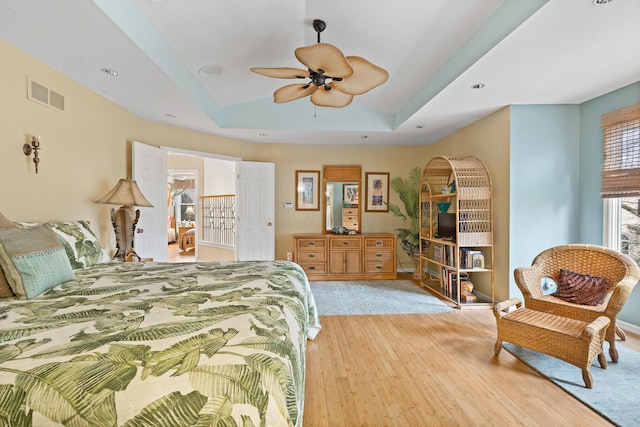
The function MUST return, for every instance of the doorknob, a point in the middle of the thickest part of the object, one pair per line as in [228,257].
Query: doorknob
[269,224]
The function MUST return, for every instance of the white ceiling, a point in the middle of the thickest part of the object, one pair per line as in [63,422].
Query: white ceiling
[524,51]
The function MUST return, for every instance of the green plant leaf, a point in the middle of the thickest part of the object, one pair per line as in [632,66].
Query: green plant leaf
[409,192]
[12,407]
[171,410]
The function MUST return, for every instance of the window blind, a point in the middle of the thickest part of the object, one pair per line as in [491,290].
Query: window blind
[621,159]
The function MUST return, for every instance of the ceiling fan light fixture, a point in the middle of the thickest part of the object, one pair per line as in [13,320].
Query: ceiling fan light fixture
[340,77]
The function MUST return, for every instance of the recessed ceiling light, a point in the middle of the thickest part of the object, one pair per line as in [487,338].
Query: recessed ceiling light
[170,116]
[601,2]
[477,86]
[420,126]
[211,70]
[110,71]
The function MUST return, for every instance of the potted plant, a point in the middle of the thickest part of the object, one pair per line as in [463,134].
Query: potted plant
[409,192]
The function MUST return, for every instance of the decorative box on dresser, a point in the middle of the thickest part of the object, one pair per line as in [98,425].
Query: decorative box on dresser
[346,257]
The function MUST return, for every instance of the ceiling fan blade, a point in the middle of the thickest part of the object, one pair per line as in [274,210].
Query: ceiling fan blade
[282,72]
[323,56]
[365,77]
[331,98]
[291,92]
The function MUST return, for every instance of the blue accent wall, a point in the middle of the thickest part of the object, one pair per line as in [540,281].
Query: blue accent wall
[544,181]
[591,220]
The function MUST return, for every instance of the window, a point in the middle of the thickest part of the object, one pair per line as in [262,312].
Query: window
[621,180]
[621,153]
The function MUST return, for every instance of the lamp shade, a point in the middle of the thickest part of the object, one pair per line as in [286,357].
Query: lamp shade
[189,210]
[126,193]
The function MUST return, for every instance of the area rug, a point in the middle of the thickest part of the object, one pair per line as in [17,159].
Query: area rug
[615,390]
[374,297]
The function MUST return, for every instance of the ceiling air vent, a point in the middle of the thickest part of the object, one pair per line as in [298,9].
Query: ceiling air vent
[45,96]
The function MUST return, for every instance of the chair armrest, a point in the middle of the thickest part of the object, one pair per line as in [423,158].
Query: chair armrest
[529,280]
[620,294]
[593,328]
[501,309]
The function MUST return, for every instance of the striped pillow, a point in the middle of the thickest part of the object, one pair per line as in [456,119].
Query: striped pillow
[33,260]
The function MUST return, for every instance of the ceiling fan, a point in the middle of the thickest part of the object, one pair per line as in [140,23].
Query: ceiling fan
[333,78]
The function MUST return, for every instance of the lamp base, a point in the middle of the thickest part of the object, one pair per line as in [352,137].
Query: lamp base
[124,221]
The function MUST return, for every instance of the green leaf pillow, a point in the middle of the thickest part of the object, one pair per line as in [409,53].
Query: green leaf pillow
[80,243]
[33,260]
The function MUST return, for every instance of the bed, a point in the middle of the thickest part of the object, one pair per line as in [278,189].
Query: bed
[161,344]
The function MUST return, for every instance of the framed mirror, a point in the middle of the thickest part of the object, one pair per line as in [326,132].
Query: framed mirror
[342,201]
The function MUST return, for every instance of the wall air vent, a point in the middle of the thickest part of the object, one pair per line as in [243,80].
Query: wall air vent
[44,96]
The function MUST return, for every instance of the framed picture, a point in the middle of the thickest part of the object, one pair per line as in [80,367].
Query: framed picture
[377,192]
[350,195]
[307,190]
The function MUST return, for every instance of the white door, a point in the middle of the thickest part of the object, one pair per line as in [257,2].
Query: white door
[256,211]
[149,166]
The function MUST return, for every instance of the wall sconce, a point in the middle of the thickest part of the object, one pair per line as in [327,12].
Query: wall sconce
[33,148]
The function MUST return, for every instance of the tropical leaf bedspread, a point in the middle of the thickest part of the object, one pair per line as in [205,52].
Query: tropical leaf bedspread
[159,344]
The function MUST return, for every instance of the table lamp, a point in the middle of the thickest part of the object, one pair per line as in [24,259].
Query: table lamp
[124,219]
[190,212]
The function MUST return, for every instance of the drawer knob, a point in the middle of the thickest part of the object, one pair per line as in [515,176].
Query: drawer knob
[312,255]
[312,243]
[345,243]
[378,267]
[311,267]
[378,243]
[379,255]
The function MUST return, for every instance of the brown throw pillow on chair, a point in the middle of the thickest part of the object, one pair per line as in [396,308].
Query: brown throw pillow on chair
[581,288]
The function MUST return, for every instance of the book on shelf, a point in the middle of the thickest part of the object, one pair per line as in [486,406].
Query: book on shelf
[444,254]
[449,283]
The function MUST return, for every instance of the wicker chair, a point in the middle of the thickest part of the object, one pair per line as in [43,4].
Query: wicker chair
[619,269]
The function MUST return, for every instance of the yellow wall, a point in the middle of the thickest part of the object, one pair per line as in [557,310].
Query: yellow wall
[86,149]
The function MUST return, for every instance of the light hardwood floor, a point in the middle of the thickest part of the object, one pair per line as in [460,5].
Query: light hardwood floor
[429,370]
[177,255]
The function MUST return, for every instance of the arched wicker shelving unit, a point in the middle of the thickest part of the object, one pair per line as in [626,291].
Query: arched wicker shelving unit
[465,183]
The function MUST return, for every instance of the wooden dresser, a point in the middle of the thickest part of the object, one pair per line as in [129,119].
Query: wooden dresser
[340,257]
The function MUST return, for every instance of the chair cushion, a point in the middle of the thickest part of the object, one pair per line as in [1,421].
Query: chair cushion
[581,289]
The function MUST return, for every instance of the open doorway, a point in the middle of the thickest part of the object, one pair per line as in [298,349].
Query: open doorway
[214,178]
[182,215]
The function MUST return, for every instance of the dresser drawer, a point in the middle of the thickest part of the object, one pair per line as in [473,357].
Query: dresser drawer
[349,212]
[345,243]
[378,256]
[379,267]
[310,244]
[310,256]
[379,243]
[313,268]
